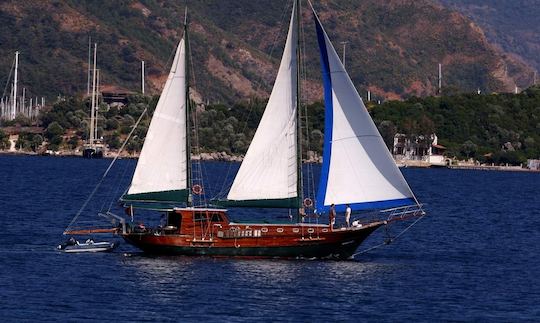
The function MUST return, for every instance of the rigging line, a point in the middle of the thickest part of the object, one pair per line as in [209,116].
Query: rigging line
[303,74]
[196,138]
[119,178]
[105,173]
[392,239]
[304,78]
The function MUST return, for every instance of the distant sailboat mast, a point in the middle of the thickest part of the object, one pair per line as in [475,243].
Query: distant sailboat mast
[15,81]
[92,112]
[97,106]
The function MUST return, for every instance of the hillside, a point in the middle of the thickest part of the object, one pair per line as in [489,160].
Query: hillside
[512,25]
[393,47]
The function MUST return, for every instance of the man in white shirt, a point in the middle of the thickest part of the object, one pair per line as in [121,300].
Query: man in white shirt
[348,215]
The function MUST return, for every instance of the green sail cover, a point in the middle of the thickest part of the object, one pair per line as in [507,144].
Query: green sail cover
[174,196]
[286,203]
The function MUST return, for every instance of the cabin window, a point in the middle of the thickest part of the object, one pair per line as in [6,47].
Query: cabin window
[200,217]
[216,217]
[174,219]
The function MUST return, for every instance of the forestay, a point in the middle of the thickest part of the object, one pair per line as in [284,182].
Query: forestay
[268,175]
[161,173]
[357,166]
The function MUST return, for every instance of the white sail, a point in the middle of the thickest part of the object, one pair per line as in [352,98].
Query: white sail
[269,169]
[357,166]
[162,165]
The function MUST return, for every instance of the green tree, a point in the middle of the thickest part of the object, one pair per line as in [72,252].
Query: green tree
[37,140]
[4,140]
[469,149]
[53,130]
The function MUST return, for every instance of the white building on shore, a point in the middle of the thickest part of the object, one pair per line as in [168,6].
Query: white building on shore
[419,148]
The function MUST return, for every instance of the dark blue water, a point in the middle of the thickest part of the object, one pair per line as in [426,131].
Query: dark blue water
[475,258]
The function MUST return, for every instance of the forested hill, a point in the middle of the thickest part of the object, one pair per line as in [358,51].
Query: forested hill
[393,46]
[513,25]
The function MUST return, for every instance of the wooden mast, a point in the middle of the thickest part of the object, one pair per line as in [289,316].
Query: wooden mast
[299,186]
[189,200]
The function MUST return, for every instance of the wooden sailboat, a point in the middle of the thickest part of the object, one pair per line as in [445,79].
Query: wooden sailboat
[358,171]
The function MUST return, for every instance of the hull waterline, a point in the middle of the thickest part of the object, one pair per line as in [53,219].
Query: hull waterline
[339,244]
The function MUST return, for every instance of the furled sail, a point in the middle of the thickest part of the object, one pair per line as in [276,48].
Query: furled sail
[161,173]
[357,167]
[268,175]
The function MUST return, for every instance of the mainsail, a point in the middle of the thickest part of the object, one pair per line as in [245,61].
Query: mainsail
[268,176]
[357,167]
[162,170]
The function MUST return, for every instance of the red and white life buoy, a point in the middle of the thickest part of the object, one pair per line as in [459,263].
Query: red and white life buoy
[308,202]
[197,189]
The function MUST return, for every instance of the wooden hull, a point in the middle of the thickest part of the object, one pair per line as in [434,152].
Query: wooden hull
[286,241]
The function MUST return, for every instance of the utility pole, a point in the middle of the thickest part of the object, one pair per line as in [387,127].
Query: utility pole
[142,77]
[344,43]
[440,79]
[89,66]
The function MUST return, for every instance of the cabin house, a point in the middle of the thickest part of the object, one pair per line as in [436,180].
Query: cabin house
[533,164]
[420,148]
[114,94]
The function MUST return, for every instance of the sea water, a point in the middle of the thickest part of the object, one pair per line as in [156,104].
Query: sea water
[473,258]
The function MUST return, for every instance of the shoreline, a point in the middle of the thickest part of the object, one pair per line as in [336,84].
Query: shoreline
[223,156]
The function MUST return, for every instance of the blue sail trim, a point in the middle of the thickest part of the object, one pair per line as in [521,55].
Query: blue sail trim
[376,205]
[328,113]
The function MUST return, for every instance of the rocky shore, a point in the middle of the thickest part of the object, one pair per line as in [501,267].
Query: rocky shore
[210,156]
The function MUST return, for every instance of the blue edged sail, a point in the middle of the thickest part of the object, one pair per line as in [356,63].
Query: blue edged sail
[161,173]
[357,167]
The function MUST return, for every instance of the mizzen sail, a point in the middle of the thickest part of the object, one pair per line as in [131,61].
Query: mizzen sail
[161,173]
[357,167]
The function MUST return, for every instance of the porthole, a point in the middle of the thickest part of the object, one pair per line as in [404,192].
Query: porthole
[310,230]
[279,230]
[264,229]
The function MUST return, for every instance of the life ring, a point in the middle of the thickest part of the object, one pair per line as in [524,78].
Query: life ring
[197,189]
[308,202]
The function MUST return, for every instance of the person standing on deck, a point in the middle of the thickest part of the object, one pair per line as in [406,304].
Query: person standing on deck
[332,216]
[348,215]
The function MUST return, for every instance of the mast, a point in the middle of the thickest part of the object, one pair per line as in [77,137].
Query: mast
[15,80]
[97,106]
[23,108]
[92,112]
[189,201]
[299,186]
